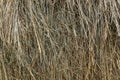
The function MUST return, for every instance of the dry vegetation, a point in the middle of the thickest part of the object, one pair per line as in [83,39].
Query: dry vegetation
[59,40]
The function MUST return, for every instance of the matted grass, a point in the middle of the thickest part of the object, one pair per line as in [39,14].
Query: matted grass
[59,40]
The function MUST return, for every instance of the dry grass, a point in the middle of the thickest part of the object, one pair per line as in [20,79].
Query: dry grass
[59,40]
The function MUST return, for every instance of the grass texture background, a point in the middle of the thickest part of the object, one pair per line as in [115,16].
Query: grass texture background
[59,40]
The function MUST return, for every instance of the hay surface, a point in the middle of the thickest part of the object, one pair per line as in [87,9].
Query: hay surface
[59,40]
